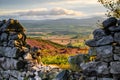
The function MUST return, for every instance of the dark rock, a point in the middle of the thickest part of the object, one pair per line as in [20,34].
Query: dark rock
[116,50]
[117,57]
[114,28]
[109,22]
[91,78]
[104,78]
[105,53]
[98,34]
[115,68]
[63,75]
[4,37]
[117,37]
[17,36]
[95,68]
[21,65]
[15,43]
[106,40]
[91,43]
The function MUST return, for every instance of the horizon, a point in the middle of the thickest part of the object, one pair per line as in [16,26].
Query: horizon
[50,9]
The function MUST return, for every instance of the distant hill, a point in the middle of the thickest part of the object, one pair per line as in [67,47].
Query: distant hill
[61,26]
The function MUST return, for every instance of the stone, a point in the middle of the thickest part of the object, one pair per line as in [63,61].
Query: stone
[117,37]
[114,28]
[95,68]
[89,69]
[92,51]
[116,50]
[8,63]
[106,40]
[63,75]
[15,43]
[9,52]
[4,37]
[115,67]
[16,36]
[105,79]
[98,34]
[104,53]
[91,78]
[117,57]
[109,22]
[91,43]
[21,64]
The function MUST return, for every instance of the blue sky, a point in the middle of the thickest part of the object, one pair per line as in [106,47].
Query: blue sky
[50,9]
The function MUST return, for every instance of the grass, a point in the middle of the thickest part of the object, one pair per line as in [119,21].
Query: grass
[60,60]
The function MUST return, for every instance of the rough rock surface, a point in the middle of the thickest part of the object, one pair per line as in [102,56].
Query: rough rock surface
[17,61]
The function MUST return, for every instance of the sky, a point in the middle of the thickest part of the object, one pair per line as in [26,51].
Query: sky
[50,9]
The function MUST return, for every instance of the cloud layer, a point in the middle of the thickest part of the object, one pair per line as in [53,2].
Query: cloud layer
[51,12]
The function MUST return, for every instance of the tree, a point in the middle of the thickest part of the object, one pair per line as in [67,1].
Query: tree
[113,7]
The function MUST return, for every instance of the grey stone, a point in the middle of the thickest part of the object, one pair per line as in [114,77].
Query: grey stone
[92,51]
[8,51]
[105,79]
[98,34]
[114,28]
[116,49]
[63,75]
[8,63]
[104,53]
[11,75]
[105,41]
[115,67]
[16,36]
[15,43]
[91,43]
[4,37]
[95,68]
[91,78]
[117,57]
[109,22]
[117,37]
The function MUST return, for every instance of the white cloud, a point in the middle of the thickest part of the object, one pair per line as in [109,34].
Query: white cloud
[51,12]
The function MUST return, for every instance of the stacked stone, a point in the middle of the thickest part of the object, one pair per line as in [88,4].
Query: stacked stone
[106,47]
[13,51]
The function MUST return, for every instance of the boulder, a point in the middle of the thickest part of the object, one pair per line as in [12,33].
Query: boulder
[8,63]
[106,40]
[109,22]
[114,28]
[4,37]
[115,67]
[9,51]
[117,37]
[63,75]
[98,34]
[104,53]
[117,57]
[91,43]
[116,50]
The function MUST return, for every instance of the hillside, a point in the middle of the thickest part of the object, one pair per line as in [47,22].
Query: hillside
[54,48]
[60,26]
